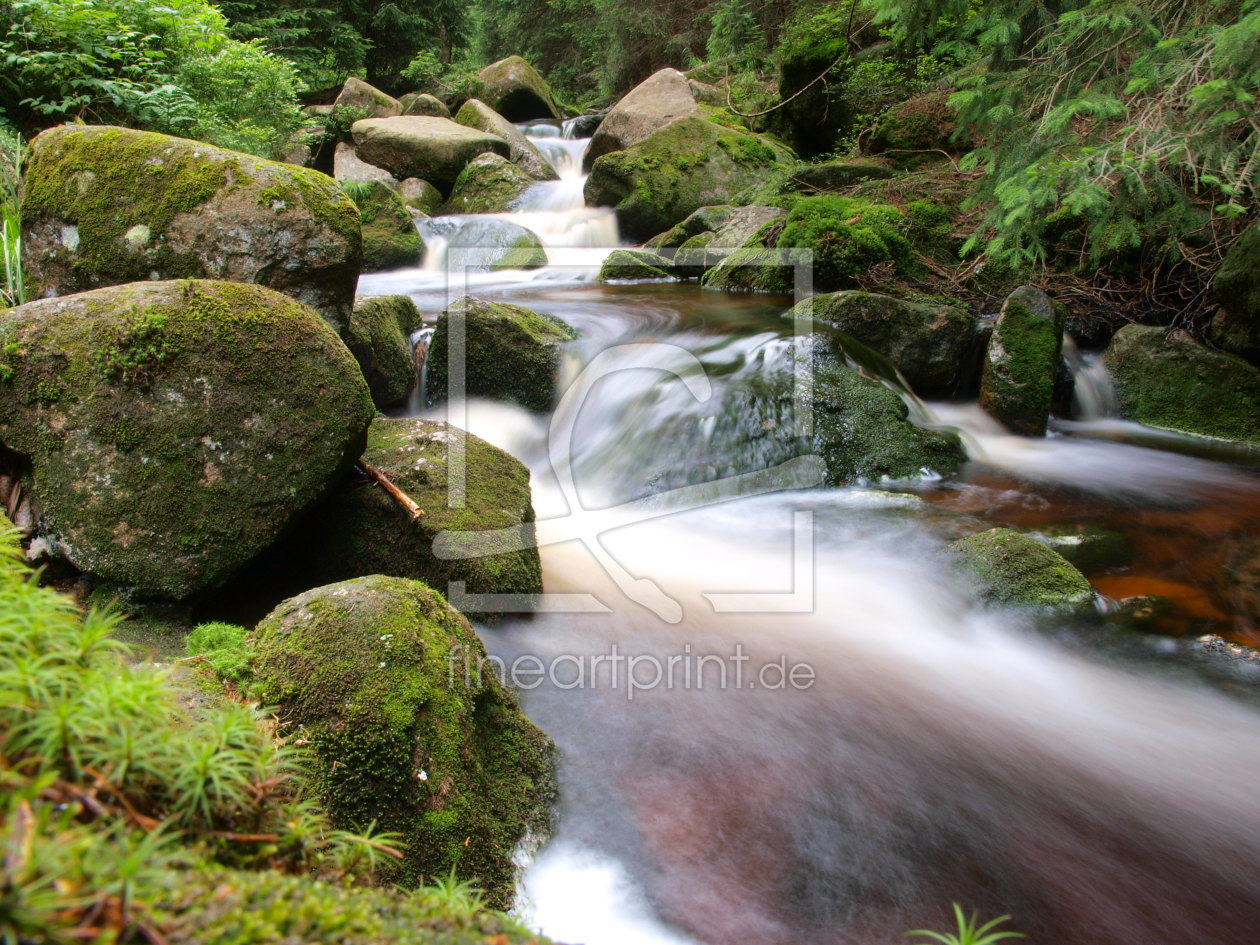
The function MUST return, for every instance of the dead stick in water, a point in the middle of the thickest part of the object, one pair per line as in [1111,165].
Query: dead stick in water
[398,495]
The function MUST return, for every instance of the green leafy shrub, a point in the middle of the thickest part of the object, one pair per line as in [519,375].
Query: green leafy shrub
[168,67]
[224,646]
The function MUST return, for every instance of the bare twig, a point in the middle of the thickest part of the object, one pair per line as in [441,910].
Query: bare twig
[397,494]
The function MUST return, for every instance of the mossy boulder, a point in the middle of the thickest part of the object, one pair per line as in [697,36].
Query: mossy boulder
[1009,568]
[106,206]
[348,168]
[688,164]
[1174,383]
[692,259]
[704,220]
[477,114]
[1017,382]
[927,343]
[748,237]
[488,184]
[625,265]
[1088,547]
[488,243]
[514,89]
[916,129]
[373,670]
[510,352]
[421,195]
[433,149]
[1236,327]
[390,238]
[367,100]
[421,103]
[662,98]
[847,236]
[837,175]
[175,429]
[361,531]
[379,337]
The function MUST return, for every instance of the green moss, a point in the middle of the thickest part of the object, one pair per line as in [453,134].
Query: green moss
[634,264]
[389,235]
[1009,568]
[225,647]
[172,483]
[374,670]
[847,237]
[1017,385]
[488,184]
[1177,384]
[379,337]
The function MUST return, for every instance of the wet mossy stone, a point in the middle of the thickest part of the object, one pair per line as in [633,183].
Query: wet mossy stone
[514,89]
[361,530]
[390,238]
[915,131]
[626,265]
[704,220]
[1088,547]
[1177,384]
[523,153]
[1009,568]
[379,337]
[847,236]
[510,353]
[433,149]
[106,206]
[836,175]
[373,671]
[688,164]
[488,243]
[927,343]
[489,183]
[1017,383]
[421,195]
[175,429]
[692,259]
[663,97]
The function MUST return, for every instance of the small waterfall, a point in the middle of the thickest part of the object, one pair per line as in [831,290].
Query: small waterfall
[1093,394]
[420,341]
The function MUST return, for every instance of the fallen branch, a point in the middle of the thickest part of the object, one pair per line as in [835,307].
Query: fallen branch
[397,494]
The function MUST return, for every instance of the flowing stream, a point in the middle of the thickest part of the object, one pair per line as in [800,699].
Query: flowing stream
[1101,787]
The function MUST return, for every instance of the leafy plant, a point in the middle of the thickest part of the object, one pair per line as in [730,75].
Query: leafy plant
[970,932]
[457,895]
[13,291]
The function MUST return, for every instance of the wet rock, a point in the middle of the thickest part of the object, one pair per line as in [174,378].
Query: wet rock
[106,206]
[1144,613]
[1017,383]
[836,175]
[485,244]
[367,100]
[488,184]
[634,264]
[421,195]
[175,429]
[704,220]
[433,149]
[1177,384]
[372,670]
[390,239]
[379,337]
[510,353]
[423,104]
[522,153]
[1088,547]
[927,343]
[688,164]
[1236,328]
[1009,568]
[348,168]
[514,89]
[662,98]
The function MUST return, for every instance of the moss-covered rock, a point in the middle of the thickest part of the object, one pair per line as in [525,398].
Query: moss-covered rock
[688,164]
[367,100]
[1017,383]
[362,531]
[1010,568]
[106,206]
[1236,328]
[176,428]
[847,236]
[704,220]
[433,149]
[634,264]
[488,184]
[488,243]
[915,129]
[837,175]
[390,238]
[379,337]
[927,343]
[1177,384]
[746,236]
[514,89]
[1088,547]
[421,195]
[423,104]
[510,352]
[662,98]
[692,259]
[374,671]
[214,906]
[479,115]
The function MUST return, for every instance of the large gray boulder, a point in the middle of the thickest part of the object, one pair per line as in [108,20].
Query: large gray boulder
[433,149]
[688,164]
[348,168]
[366,100]
[488,184]
[658,100]
[106,206]
[421,195]
[479,115]
[175,429]
[1017,383]
[514,89]
[927,343]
